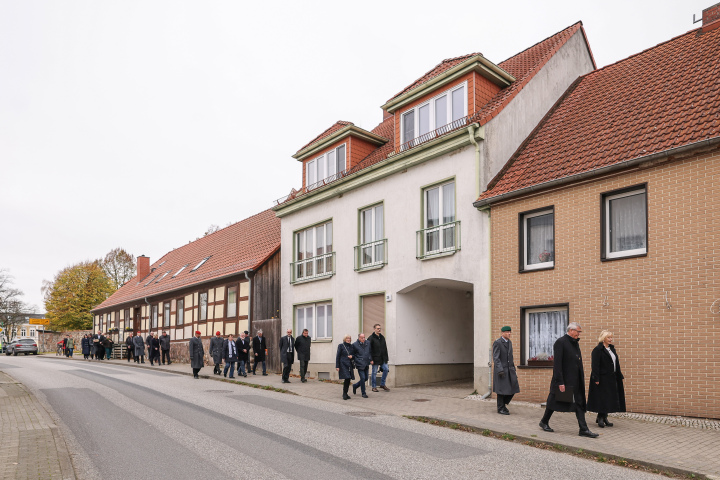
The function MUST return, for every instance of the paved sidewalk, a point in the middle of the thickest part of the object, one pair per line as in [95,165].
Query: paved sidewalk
[30,444]
[684,449]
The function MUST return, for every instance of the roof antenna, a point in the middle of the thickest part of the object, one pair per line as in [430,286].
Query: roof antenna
[698,20]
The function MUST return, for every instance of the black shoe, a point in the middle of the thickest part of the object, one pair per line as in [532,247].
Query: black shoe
[354,390]
[225,375]
[503,411]
[546,427]
[588,433]
[246,375]
[303,380]
[265,374]
[253,373]
[195,376]
[169,363]
[607,422]
[600,421]
[346,396]
[364,396]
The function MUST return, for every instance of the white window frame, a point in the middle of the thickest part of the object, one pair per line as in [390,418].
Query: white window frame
[376,257]
[441,227]
[526,328]
[312,174]
[606,207]
[433,117]
[180,312]
[23,332]
[231,307]
[166,314]
[202,313]
[32,332]
[313,328]
[317,258]
[153,316]
[536,266]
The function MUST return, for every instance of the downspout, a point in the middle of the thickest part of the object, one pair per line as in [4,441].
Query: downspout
[488,239]
[479,180]
[250,300]
[149,319]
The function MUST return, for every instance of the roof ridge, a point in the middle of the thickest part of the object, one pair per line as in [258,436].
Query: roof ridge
[413,85]
[322,134]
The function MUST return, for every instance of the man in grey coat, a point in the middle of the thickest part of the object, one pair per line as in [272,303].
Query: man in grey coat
[505,382]
[216,351]
[197,354]
[165,347]
[139,349]
[361,347]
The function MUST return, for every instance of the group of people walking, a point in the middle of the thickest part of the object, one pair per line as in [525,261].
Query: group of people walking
[567,387]
[233,352]
[155,345]
[361,355]
[94,347]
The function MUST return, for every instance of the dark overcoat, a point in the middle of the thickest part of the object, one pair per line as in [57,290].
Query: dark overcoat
[378,349]
[228,355]
[243,344]
[302,346]
[197,353]
[85,344]
[343,362]
[216,349]
[154,347]
[362,354]
[503,362]
[609,395]
[164,342]
[139,346]
[288,358]
[568,371]
[259,346]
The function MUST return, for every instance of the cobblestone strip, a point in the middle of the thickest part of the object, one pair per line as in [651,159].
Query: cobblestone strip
[31,446]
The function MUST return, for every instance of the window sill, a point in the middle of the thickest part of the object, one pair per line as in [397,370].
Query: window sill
[370,268]
[322,340]
[313,279]
[611,259]
[432,256]
[530,270]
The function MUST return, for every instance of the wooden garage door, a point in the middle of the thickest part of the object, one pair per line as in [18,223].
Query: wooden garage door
[373,311]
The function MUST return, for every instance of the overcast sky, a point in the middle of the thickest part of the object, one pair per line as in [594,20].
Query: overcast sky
[138,124]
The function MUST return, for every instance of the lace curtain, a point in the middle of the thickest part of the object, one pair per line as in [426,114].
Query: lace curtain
[627,223]
[543,329]
[540,241]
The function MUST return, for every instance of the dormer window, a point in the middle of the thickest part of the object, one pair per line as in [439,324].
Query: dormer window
[325,166]
[439,111]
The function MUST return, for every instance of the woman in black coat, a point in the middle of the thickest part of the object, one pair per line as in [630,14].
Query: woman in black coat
[607,393]
[344,364]
[85,344]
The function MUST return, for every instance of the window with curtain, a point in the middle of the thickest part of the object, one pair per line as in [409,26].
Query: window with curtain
[203,302]
[180,312]
[166,314]
[439,111]
[317,318]
[542,327]
[538,239]
[154,316]
[439,224]
[625,223]
[326,166]
[313,252]
[232,301]
[372,249]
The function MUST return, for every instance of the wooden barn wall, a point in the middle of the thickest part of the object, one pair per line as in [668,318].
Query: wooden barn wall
[266,290]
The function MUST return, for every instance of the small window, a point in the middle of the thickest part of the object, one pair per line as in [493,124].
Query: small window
[371,250]
[203,306]
[200,264]
[180,312]
[537,239]
[166,314]
[128,320]
[32,332]
[317,318]
[313,255]
[164,275]
[439,228]
[625,223]
[326,167]
[541,328]
[23,332]
[181,269]
[154,316]
[440,111]
[232,301]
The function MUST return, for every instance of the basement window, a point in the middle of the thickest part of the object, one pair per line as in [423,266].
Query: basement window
[200,264]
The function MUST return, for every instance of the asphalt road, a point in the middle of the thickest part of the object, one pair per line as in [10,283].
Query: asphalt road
[124,423]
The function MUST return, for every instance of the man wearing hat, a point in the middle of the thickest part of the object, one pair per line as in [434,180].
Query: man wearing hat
[505,382]
[197,354]
[216,352]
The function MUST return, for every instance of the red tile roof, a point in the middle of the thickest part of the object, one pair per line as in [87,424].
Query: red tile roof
[241,246]
[339,125]
[441,67]
[664,97]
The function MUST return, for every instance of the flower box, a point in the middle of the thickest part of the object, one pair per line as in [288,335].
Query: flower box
[540,363]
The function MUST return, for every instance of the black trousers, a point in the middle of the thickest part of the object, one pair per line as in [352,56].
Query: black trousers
[346,386]
[303,368]
[579,413]
[166,355]
[195,372]
[503,400]
[130,354]
[286,371]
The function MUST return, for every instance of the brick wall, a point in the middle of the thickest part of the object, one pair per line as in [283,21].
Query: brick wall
[670,357]
[47,341]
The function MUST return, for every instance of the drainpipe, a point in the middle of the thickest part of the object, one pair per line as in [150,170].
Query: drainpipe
[479,180]
[250,300]
[488,239]
[149,317]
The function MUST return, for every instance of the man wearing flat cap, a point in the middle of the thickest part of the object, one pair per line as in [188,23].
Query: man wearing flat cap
[505,382]
[197,354]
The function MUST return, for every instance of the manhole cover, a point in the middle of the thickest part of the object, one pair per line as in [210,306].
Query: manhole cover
[360,414]
[218,391]
[421,400]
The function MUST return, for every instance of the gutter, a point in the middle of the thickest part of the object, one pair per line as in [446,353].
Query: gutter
[480,204]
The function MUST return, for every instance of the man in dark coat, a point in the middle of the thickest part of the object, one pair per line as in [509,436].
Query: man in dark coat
[243,348]
[139,349]
[505,381]
[361,348]
[98,340]
[154,349]
[302,347]
[259,345]
[148,345]
[216,349]
[287,354]
[569,379]
[380,358]
[129,347]
[165,347]
[197,354]
[230,356]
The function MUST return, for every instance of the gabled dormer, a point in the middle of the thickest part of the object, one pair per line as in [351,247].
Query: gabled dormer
[339,148]
[444,97]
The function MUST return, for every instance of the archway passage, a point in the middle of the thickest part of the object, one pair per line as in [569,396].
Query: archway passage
[434,328]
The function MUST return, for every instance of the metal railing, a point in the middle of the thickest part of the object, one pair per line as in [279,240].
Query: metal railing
[371,255]
[313,268]
[439,240]
[438,132]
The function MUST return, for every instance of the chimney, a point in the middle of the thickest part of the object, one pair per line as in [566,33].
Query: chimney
[143,267]
[711,18]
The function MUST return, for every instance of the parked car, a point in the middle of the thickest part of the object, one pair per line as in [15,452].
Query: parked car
[23,345]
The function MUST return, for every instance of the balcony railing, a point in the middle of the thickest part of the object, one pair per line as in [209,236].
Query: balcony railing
[371,255]
[313,268]
[438,132]
[439,240]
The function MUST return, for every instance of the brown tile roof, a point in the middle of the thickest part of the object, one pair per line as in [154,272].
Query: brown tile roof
[441,67]
[664,97]
[339,125]
[241,246]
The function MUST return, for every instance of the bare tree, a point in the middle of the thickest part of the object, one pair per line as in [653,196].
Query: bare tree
[211,229]
[13,309]
[119,266]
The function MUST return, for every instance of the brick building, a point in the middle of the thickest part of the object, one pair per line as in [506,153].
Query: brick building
[609,215]
[222,282]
